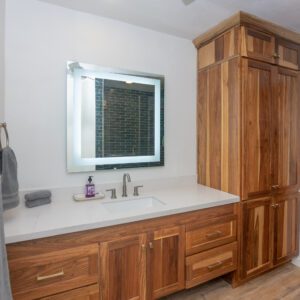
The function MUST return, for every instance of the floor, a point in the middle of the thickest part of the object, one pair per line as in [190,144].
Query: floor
[281,283]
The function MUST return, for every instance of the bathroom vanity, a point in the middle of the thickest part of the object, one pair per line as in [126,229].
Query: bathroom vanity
[142,254]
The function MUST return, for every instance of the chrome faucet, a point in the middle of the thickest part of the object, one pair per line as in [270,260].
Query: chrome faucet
[126,175]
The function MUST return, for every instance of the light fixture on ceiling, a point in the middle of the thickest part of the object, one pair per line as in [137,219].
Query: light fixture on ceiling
[187,2]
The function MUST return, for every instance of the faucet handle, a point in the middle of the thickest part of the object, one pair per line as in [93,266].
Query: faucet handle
[136,190]
[113,193]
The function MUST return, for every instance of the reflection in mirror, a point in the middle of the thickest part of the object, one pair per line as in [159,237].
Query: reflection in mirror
[115,118]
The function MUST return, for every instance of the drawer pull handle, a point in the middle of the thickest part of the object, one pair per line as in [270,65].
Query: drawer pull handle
[59,274]
[214,235]
[275,187]
[215,266]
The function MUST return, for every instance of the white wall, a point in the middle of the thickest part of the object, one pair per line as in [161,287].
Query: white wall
[2,23]
[40,39]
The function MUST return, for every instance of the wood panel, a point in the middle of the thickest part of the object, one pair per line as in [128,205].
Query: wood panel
[286,130]
[257,236]
[214,233]
[257,137]
[41,275]
[123,268]
[257,44]
[84,293]
[286,234]
[243,18]
[210,264]
[167,261]
[223,47]
[218,127]
[288,54]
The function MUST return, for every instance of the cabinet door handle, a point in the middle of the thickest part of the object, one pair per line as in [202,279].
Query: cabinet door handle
[214,235]
[59,274]
[275,205]
[276,55]
[276,187]
[215,266]
[151,245]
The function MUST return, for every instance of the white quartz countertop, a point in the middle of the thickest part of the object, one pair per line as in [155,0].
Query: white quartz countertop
[64,215]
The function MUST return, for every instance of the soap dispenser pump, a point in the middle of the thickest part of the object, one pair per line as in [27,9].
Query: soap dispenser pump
[90,188]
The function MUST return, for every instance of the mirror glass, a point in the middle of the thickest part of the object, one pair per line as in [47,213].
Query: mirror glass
[115,118]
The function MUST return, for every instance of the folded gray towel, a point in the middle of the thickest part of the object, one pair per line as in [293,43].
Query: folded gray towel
[38,195]
[37,202]
[10,186]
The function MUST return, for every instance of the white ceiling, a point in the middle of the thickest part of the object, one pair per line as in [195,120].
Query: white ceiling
[173,17]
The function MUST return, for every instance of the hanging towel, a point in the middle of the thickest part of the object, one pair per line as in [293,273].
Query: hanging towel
[5,290]
[10,186]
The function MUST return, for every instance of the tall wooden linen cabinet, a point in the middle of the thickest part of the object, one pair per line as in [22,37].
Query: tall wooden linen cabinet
[248,118]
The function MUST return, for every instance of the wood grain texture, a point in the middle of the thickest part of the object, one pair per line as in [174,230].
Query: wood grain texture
[223,47]
[257,240]
[218,127]
[242,18]
[214,233]
[257,45]
[286,237]
[210,264]
[257,134]
[286,129]
[167,261]
[74,267]
[123,268]
[289,54]
[85,293]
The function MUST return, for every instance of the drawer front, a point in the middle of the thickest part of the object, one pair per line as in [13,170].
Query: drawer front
[85,293]
[218,232]
[47,274]
[210,264]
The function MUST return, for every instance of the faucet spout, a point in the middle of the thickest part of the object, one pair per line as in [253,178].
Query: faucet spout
[125,176]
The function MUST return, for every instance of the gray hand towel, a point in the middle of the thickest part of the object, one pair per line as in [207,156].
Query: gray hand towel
[37,195]
[5,290]
[37,202]
[10,186]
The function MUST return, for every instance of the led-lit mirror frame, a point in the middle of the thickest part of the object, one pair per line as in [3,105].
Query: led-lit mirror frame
[75,161]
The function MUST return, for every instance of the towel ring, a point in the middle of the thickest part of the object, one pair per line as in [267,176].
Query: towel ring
[4,126]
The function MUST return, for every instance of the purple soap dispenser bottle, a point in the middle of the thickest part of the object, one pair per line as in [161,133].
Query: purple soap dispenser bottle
[90,188]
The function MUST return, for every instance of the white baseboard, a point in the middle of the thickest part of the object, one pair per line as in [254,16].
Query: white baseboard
[296,261]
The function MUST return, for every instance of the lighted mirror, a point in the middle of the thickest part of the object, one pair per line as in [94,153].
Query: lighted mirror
[115,118]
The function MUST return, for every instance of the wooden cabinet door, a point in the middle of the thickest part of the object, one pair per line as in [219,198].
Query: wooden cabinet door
[288,54]
[85,293]
[123,268]
[257,44]
[286,234]
[167,248]
[286,135]
[257,241]
[257,129]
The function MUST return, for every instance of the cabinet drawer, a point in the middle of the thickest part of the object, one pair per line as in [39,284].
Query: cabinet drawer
[52,273]
[218,232]
[288,54]
[85,293]
[210,264]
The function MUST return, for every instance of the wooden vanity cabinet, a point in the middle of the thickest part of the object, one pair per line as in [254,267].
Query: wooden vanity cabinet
[142,260]
[248,109]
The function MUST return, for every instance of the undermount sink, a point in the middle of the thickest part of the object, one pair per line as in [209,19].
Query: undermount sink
[132,204]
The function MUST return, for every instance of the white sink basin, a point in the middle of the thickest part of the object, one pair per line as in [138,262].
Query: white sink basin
[132,204]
